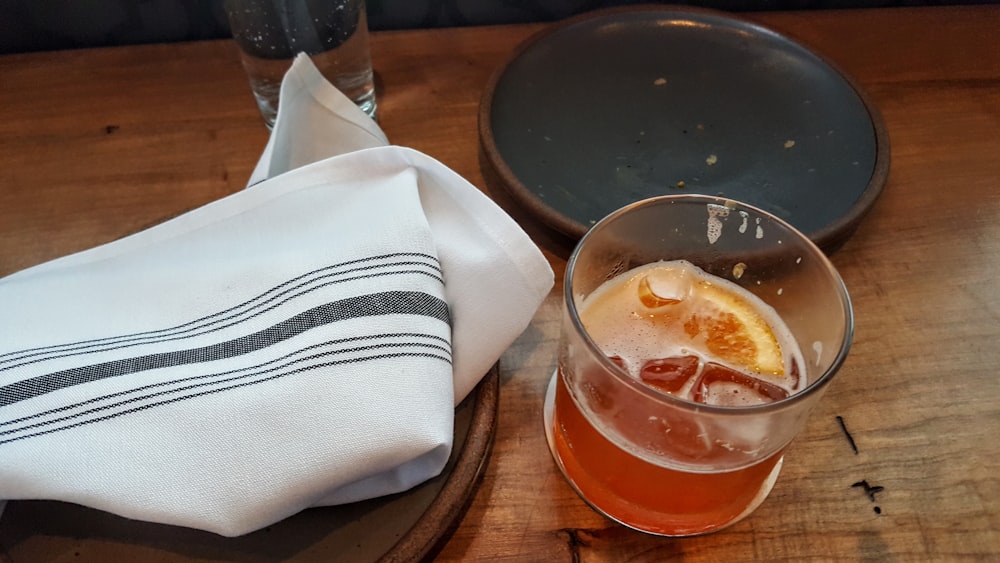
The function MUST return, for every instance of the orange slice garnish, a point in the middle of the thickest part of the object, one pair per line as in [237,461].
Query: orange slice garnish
[732,330]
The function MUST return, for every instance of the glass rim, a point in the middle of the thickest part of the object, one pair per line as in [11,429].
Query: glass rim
[659,396]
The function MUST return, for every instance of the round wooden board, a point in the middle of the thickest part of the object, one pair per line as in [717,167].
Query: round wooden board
[409,526]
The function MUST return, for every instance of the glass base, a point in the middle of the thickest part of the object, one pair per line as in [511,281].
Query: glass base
[548,413]
[267,103]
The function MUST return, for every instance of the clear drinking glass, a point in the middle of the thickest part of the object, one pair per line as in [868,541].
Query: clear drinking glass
[334,33]
[663,464]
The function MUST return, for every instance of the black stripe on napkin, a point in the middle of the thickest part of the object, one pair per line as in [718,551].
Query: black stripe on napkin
[386,303]
[375,266]
[329,354]
[212,391]
[366,342]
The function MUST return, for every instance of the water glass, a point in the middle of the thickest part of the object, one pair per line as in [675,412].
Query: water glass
[334,33]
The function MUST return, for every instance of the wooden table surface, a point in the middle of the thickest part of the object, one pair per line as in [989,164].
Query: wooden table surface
[97,144]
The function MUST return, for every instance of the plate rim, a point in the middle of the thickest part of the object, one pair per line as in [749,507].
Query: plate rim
[829,238]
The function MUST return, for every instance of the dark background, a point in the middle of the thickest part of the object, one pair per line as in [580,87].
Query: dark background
[37,25]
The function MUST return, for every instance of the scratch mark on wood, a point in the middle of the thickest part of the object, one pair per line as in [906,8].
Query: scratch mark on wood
[850,439]
[574,542]
[870,490]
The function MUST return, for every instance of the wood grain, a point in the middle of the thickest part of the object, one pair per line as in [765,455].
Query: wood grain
[100,143]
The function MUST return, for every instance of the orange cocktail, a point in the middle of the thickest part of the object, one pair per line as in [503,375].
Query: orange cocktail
[647,496]
[678,389]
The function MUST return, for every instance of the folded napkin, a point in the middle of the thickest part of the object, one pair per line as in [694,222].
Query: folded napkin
[300,343]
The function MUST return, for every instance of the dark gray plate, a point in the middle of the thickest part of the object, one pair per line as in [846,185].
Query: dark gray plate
[615,106]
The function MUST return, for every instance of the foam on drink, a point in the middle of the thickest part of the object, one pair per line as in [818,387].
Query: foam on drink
[694,335]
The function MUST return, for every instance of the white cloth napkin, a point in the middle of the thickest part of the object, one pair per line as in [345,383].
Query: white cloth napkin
[300,343]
